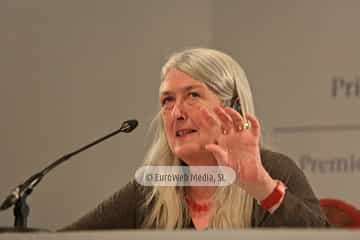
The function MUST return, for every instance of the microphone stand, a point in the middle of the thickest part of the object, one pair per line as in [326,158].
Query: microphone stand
[19,195]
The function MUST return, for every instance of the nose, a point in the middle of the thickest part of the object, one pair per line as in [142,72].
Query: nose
[179,111]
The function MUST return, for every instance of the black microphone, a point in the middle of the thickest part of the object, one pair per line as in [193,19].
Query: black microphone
[24,189]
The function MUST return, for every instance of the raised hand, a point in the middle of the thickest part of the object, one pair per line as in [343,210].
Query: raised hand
[237,146]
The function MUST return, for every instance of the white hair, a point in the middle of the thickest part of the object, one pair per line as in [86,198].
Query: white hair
[233,206]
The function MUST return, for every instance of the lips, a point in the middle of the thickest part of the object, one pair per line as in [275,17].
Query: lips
[183,132]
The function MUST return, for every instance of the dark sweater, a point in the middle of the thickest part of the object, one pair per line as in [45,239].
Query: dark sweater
[300,207]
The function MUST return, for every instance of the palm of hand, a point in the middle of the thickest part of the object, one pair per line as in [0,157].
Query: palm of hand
[238,147]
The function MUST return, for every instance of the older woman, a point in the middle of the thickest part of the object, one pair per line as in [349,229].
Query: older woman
[207,118]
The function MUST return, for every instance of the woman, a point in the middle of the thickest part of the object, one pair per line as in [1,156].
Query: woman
[207,118]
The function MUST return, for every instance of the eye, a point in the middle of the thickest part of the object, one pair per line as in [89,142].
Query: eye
[167,99]
[194,94]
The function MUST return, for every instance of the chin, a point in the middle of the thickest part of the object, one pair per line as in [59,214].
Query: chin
[187,149]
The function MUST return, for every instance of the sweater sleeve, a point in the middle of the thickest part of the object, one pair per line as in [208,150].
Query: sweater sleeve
[300,207]
[117,212]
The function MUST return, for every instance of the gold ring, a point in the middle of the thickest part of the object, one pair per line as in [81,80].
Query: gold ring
[246,125]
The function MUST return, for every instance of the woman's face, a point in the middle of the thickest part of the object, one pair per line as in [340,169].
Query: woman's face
[182,99]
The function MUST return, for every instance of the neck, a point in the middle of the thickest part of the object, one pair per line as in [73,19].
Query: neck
[200,194]
[198,157]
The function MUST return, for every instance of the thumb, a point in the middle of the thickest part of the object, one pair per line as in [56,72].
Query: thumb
[219,154]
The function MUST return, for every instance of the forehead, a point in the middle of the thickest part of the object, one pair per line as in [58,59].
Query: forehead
[176,80]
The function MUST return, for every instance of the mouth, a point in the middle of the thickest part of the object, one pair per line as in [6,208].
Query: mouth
[184,132]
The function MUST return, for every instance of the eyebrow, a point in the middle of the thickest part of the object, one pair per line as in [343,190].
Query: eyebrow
[183,89]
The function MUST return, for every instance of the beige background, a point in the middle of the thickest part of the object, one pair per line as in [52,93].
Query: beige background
[72,71]
[292,50]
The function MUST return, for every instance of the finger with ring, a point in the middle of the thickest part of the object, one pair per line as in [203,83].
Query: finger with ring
[246,125]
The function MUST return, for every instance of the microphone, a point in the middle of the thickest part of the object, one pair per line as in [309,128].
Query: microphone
[25,189]
[129,125]
[11,199]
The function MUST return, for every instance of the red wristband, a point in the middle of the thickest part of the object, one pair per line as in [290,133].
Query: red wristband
[274,197]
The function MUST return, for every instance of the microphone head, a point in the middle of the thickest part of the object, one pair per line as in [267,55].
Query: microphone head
[11,199]
[129,125]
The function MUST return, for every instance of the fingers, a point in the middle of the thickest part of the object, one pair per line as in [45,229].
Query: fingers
[226,121]
[238,121]
[253,121]
[222,119]
[249,123]
[207,119]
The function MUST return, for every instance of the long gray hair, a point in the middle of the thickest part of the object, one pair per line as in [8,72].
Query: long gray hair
[228,81]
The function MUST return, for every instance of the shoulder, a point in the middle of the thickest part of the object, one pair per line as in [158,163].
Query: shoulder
[118,211]
[133,191]
[279,165]
[271,159]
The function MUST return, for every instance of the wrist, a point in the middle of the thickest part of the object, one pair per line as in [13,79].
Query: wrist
[263,188]
[275,198]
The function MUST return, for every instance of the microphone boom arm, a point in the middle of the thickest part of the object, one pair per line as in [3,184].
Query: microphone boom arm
[22,191]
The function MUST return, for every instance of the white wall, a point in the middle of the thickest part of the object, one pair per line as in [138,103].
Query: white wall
[292,51]
[72,71]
